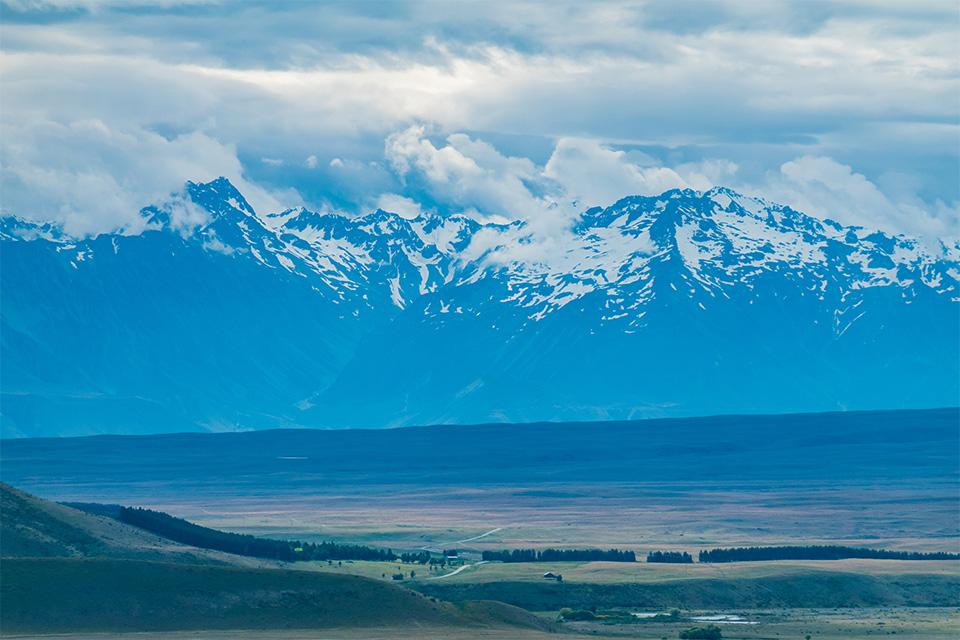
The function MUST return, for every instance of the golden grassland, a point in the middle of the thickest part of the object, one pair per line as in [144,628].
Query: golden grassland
[668,516]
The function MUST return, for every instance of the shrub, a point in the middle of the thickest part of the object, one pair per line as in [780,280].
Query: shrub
[709,632]
[569,615]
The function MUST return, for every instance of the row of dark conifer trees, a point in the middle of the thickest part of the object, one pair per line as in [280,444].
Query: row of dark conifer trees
[674,557]
[559,555]
[180,530]
[815,552]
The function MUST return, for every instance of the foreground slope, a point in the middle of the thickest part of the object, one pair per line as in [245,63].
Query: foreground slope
[688,303]
[65,571]
[34,527]
[786,587]
[55,595]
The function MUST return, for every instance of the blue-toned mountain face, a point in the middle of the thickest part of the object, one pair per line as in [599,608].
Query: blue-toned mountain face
[684,304]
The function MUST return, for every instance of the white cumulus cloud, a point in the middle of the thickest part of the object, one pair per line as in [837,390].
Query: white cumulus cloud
[92,178]
[824,188]
[596,175]
[468,174]
[403,207]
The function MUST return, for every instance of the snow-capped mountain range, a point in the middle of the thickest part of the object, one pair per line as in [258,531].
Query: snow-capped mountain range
[686,303]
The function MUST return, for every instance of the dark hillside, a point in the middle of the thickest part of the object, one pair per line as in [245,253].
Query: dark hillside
[59,595]
[827,447]
[34,527]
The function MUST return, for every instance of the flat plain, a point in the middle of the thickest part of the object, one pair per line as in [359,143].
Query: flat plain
[860,624]
[877,479]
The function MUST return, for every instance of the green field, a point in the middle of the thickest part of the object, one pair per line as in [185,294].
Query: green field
[69,595]
[642,572]
[857,624]
[781,584]
[860,624]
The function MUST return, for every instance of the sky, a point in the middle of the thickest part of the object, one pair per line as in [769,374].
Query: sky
[847,110]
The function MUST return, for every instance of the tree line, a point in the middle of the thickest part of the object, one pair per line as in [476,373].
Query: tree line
[815,552]
[674,557]
[420,558]
[180,530]
[334,551]
[560,555]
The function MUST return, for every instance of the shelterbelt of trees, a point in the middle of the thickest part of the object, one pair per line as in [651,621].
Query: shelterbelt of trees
[179,530]
[560,555]
[673,557]
[751,554]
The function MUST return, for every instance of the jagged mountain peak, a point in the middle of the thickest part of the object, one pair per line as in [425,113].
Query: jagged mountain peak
[219,197]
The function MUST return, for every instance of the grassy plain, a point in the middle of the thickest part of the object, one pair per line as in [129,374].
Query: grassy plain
[881,480]
[678,515]
[639,572]
[845,583]
[860,624]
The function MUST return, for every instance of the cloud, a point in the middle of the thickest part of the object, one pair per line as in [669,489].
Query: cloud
[92,178]
[468,174]
[583,172]
[824,188]
[403,207]
[94,5]
[470,177]
[185,215]
[631,97]
[599,176]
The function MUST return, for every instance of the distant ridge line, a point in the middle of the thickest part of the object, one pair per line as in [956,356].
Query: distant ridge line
[713,418]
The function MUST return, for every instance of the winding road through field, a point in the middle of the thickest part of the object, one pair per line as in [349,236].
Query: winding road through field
[482,535]
[458,570]
[431,547]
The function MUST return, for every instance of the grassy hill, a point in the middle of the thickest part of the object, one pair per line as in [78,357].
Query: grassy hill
[790,590]
[34,527]
[57,595]
[67,571]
